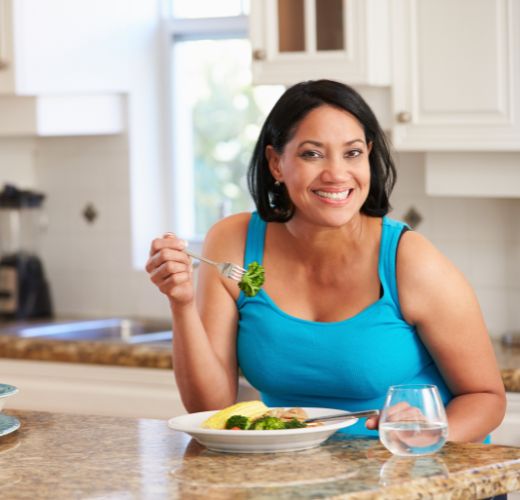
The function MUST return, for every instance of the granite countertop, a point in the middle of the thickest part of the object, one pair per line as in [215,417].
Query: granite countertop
[115,353]
[508,358]
[158,354]
[63,456]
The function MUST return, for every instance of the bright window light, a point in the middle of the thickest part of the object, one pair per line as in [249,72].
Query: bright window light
[217,114]
[191,9]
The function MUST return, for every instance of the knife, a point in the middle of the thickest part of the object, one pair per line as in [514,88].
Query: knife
[345,415]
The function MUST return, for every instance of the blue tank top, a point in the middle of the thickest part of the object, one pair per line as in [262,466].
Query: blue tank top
[346,364]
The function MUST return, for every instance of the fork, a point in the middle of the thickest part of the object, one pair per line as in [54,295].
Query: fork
[343,416]
[226,269]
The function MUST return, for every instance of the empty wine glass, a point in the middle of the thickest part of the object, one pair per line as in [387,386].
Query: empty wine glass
[413,420]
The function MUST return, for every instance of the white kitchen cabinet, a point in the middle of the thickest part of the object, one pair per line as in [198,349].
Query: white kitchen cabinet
[508,433]
[97,389]
[92,389]
[64,66]
[456,75]
[296,40]
[62,115]
[480,174]
[56,46]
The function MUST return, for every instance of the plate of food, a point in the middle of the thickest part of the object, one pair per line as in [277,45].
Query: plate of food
[252,427]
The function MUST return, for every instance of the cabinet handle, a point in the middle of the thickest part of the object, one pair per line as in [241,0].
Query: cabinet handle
[404,117]
[3,34]
[259,54]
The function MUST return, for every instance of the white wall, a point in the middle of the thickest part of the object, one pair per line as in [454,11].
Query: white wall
[481,236]
[17,162]
[513,270]
[90,265]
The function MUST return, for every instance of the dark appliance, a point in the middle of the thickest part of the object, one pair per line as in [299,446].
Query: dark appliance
[24,290]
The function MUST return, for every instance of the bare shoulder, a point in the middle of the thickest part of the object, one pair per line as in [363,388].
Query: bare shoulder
[226,239]
[416,254]
[427,280]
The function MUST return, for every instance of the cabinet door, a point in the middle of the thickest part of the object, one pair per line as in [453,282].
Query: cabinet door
[456,74]
[508,433]
[92,389]
[54,46]
[295,40]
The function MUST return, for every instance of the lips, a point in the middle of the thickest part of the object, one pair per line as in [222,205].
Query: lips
[333,195]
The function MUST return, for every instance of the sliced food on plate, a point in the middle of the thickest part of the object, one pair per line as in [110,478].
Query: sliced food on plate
[256,416]
[252,427]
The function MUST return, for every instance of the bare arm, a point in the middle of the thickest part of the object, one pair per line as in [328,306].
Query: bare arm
[436,297]
[204,341]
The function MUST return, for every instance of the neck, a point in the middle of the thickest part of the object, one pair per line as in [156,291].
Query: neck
[311,241]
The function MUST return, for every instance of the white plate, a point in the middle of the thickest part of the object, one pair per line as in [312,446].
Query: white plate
[6,390]
[259,441]
[8,424]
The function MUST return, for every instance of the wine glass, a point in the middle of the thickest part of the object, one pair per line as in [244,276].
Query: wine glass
[413,420]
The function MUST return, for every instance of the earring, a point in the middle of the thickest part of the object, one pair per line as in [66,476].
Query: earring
[277,184]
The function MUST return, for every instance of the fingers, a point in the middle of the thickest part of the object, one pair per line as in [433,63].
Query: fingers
[167,248]
[167,262]
[168,240]
[372,422]
[397,413]
[173,282]
[168,266]
[404,412]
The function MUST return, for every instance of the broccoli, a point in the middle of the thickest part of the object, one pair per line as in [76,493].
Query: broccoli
[294,423]
[238,422]
[253,279]
[267,423]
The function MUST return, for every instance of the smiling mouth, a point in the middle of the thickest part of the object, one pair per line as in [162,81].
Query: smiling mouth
[333,195]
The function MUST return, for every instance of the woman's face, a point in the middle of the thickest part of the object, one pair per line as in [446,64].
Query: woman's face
[325,166]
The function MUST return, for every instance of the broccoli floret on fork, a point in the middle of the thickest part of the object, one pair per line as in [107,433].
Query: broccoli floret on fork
[253,279]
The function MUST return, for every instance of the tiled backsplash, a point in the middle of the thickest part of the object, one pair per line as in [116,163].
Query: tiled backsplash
[17,161]
[90,267]
[479,235]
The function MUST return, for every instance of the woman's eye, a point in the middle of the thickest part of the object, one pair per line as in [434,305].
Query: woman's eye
[354,153]
[310,154]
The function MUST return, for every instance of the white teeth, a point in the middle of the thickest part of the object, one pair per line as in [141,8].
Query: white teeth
[342,195]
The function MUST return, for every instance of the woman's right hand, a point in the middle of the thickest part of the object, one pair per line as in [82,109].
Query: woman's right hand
[170,269]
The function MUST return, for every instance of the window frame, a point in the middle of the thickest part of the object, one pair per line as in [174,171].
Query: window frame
[181,30]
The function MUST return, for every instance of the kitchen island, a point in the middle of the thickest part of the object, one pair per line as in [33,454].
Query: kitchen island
[62,456]
[107,377]
[159,354]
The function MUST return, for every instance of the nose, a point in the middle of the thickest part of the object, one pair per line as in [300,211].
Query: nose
[335,170]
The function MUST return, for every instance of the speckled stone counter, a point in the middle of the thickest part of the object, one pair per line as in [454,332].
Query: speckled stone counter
[116,353]
[158,355]
[62,456]
[508,358]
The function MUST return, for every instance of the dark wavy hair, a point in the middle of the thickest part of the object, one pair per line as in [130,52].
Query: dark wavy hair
[272,200]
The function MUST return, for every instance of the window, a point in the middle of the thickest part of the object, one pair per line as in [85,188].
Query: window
[216,112]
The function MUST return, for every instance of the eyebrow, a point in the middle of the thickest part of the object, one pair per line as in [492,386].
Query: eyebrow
[320,144]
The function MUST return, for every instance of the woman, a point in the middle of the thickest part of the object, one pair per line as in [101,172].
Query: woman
[352,303]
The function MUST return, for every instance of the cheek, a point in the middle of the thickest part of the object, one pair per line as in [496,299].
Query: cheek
[296,188]
[297,177]
[366,175]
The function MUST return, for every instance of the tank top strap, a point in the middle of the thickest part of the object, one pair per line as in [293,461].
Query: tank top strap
[254,250]
[390,236]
